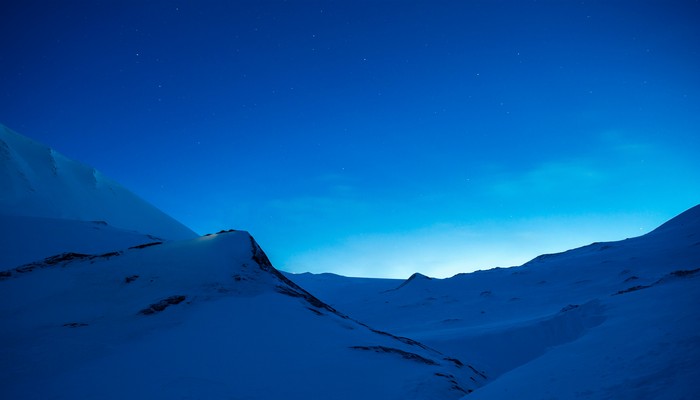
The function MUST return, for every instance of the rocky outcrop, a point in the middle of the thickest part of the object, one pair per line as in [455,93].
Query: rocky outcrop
[163,304]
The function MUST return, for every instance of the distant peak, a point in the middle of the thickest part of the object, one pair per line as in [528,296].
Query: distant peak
[414,278]
[417,275]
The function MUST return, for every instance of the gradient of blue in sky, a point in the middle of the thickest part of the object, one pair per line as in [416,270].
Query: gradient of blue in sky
[373,138]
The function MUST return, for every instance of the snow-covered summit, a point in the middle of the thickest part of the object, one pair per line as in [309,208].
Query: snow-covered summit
[37,181]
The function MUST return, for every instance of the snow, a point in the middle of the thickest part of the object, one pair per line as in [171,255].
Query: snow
[27,239]
[609,320]
[106,297]
[37,181]
[76,329]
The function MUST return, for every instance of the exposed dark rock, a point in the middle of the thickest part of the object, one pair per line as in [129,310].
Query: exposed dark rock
[455,361]
[453,381]
[143,246]
[108,255]
[260,257]
[480,373]
[315,311]
[633,289]
[47,262]
[685,273]
[459,388]
[220,232]
[65,257]
[59,259]
[289,288]
[163,304]
[287,291]
[401,339]
[75,324]
[296,291]
[131,278]
[404,354]
[667,278]
[569,307]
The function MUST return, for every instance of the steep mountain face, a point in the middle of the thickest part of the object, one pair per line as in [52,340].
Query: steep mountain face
[203,318]
[609,320]
[37,181]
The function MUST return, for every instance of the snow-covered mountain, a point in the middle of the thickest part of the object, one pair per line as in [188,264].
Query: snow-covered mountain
[207,318]
[616,320]
[106,297]
[98,305]
[27,239]
[37,181]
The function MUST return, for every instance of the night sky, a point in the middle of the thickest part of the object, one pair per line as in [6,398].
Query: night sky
[373,138]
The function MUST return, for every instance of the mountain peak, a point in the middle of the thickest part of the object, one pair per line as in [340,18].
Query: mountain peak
[213,310]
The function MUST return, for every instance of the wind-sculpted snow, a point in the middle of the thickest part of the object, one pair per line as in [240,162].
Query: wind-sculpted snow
[205,318]
[609,320]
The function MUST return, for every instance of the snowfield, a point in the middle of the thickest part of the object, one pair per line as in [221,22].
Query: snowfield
[106,297]
[204,318]
[616,320]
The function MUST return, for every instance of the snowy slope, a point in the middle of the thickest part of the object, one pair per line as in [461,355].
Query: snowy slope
[609,320]
[36,181]
[204,318]
[95,305]
[27,239]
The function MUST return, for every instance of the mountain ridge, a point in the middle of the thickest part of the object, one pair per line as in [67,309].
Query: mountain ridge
[594,322]
[94,311]
[180,308]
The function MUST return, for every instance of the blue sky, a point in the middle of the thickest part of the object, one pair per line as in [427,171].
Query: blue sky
[373,138]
